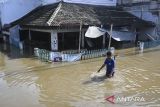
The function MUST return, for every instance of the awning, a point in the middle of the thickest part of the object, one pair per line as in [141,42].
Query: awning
[95,32]
[123,35]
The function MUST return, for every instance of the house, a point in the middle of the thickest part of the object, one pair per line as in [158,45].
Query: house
[147,10]
[60,26]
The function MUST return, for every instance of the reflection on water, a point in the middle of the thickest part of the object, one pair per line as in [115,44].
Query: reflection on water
[27,82]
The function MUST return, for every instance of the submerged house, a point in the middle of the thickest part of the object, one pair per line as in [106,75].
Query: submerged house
[62,26]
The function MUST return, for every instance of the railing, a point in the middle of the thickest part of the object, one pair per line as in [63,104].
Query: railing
[42,54]
[47,56]
[93,54]
[73,51]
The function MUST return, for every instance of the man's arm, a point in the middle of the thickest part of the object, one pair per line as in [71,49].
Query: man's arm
[101,67]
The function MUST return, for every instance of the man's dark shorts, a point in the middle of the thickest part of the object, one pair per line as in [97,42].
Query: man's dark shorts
[108,74]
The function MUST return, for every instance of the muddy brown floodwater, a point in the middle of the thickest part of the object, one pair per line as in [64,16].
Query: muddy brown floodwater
[27,82]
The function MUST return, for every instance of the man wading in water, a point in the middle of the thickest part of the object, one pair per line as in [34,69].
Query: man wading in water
[109,63]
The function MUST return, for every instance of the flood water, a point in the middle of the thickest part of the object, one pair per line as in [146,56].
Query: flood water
[28,82]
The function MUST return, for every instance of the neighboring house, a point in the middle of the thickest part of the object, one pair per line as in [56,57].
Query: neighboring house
[57,26]
[147,10]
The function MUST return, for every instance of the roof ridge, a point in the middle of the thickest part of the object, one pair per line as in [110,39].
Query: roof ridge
[54,14]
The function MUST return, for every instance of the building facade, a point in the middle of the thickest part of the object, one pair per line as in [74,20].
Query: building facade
[148,10]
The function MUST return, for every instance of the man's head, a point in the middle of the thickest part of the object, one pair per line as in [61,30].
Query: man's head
[109,54]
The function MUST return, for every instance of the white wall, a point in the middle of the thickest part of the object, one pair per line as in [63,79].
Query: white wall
[96,2]
[54,41]
[12,10]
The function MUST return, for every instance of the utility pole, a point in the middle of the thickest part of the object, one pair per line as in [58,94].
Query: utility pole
[0,22]
[158,24]
[142,9]
[110,36]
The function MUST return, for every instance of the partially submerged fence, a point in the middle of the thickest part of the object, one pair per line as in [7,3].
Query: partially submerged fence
[72,55]
[93,54]
[42,54]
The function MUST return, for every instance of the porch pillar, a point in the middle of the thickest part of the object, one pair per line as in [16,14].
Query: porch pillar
[83,33]
[30,35]
[54,41]
[4,38]
[63,42]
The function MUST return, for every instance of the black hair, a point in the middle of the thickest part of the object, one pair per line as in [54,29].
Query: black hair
[109,53]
